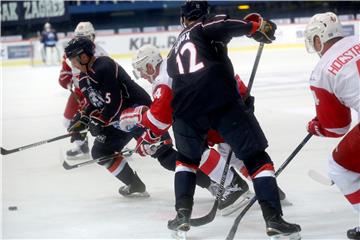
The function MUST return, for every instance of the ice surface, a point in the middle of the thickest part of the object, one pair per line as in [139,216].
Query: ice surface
[83,203]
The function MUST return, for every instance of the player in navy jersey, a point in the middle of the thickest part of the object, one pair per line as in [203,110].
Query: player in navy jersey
[206,96]
[49,39]
[109,90]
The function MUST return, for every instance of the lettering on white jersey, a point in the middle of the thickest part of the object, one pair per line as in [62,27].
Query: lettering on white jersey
[344,58]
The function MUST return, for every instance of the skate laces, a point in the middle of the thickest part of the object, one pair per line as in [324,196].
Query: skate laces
[229,190]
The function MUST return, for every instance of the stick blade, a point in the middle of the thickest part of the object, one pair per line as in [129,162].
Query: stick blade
[4,151]
[68,166]
[320,178]
[196,222]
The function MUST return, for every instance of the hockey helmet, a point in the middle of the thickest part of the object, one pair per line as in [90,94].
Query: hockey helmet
[147,54]
[324,25]
[85,29]
[47,27]
[193,10]
[79,45]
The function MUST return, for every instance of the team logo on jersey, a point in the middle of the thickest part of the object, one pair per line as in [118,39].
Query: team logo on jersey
[101,138]
[95,98]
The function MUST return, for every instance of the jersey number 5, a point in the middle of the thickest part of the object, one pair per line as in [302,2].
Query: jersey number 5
[193,66]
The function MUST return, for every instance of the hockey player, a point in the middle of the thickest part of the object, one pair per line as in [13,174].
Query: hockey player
[109,90]
[68,79]
[335,84]
[205,96]
[49,40]
[148,64]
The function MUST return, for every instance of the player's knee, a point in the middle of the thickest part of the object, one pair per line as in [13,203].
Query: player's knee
[97,152]
[184,160]
[167,158]
[256,161]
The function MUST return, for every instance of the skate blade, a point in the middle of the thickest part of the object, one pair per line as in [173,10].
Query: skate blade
[239,203]
[286,236]
[178,234]
[137,195]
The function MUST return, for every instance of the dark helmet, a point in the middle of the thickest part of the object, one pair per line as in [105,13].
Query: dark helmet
[193,10]
[79,45]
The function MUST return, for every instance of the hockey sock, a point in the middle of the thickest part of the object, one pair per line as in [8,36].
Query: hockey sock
[184,189]
[122,170]
[267,193]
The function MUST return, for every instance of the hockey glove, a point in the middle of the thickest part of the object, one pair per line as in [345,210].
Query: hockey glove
[145,143]
[79,122]
[96,124]
[315,128]
[249,103]
[131,118]
[263,30]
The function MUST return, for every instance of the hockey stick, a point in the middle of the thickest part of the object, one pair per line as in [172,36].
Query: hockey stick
[211,215]
[9,151]
[125,153]
[318,177]
[237,220]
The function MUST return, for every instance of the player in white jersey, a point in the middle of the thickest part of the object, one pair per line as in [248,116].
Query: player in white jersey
[68,79]
[335,84]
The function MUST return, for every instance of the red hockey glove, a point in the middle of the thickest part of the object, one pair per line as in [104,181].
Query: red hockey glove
[131,117]
[263,30]
[315,128]
[96,124]
[65,78]
[144,145]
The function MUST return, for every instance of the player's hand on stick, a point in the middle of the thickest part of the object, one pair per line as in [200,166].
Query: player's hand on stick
[265,31]
[79,122]
[131,118]
[314,127]
[249,103]
[145,143]
[96,124]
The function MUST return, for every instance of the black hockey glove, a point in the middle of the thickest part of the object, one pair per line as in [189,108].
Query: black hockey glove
[265,32]
[96,125]
[79,122]
[249,103]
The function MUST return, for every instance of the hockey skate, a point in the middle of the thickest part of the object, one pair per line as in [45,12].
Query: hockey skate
[277,228]
[235,196]
[180,224]
[353,233]
[79,152]
[136,189]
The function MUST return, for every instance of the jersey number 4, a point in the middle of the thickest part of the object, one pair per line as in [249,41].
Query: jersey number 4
[193,66]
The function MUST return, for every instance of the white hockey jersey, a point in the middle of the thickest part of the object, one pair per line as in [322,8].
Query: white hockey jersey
[335,84]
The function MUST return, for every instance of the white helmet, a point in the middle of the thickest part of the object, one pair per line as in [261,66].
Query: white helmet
[85,29]
[324,25]
[144,55]
[47,27]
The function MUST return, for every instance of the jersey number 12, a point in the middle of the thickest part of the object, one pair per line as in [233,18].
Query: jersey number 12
[193,66]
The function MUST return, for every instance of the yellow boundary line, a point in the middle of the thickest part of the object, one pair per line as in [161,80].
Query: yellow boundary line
[22,62]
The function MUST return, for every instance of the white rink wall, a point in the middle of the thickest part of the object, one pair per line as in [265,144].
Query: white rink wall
[124,45]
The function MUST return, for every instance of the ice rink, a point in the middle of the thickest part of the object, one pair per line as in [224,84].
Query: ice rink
[84,203]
